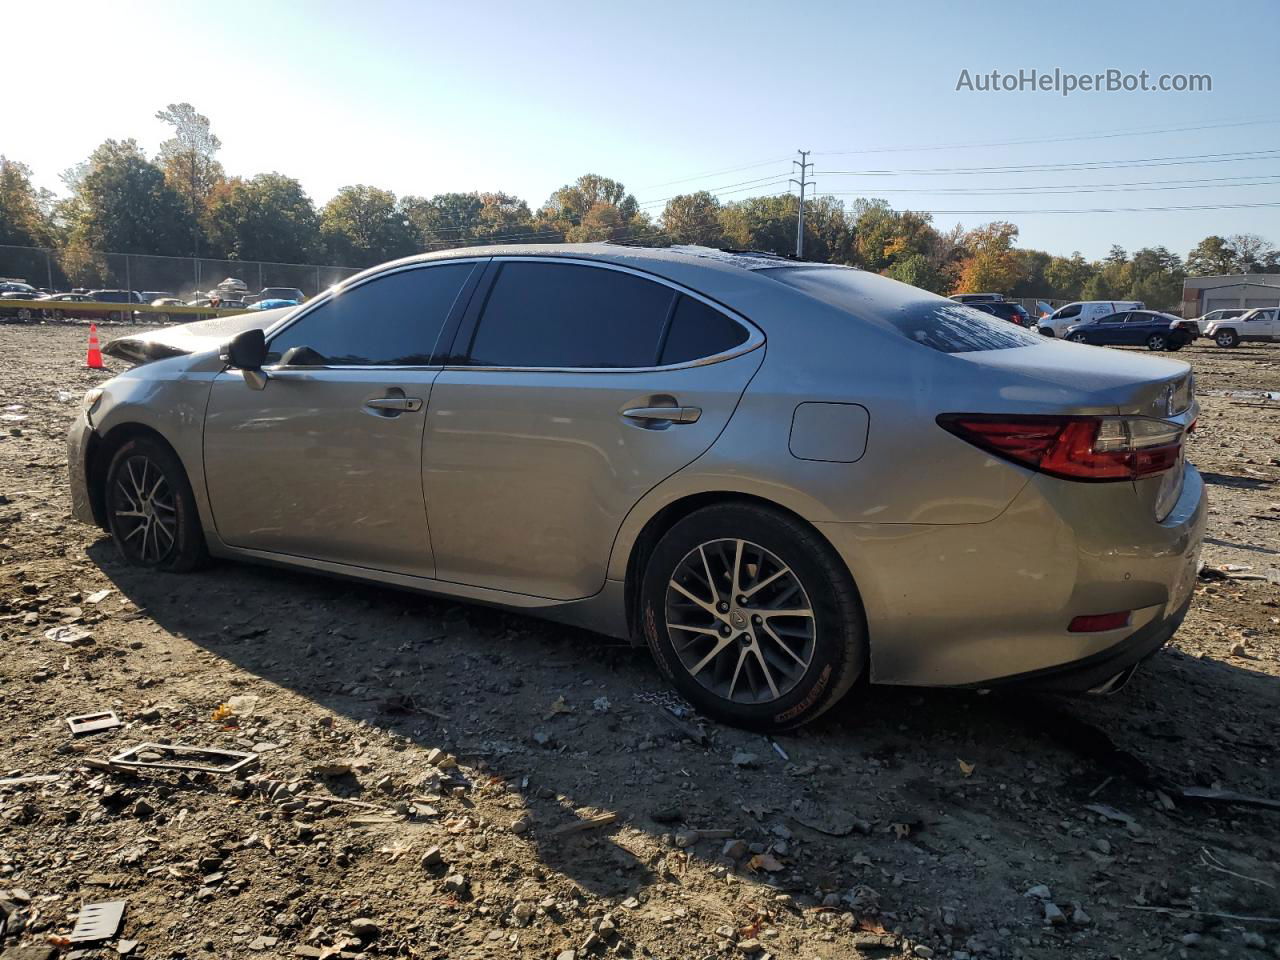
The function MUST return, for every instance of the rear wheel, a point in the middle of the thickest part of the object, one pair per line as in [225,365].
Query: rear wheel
[151,511]
[1157,341]
[1226,338]
[752,617]
[24,314]
[1078,338]
[1046,332]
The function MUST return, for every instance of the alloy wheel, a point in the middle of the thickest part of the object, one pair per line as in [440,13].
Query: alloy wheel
[146,517]
[740,621]
[1156,342]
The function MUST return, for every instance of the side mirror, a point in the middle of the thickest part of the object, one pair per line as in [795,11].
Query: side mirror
[245,351]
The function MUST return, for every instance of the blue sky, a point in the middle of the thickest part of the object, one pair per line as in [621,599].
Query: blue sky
[429,97]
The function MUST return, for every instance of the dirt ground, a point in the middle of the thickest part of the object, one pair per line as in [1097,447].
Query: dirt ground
[439,780]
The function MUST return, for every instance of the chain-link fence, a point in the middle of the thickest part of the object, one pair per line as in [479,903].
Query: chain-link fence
[187,278]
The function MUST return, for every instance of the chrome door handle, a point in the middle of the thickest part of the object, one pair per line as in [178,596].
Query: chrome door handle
[664,414]
[397,404]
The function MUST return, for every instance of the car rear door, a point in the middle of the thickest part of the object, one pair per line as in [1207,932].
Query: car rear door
[324,462]
[577,387]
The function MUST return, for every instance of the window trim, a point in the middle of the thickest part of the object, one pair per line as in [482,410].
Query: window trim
[447,331]
[471,322]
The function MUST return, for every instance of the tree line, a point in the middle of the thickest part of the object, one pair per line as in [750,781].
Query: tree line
[182,203]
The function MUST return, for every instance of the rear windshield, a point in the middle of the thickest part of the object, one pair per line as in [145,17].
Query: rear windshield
[931,321]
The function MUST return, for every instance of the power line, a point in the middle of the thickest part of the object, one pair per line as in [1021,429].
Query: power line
[749,184]
[1160,209]
[1138,186]
[714,173]
[1052,167]
[1067,139]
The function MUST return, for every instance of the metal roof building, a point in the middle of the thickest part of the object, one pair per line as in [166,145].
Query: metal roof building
[1238,290]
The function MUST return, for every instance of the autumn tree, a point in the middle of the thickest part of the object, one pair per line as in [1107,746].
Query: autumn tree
[269,217]
[123,204]
[693,218]
[991,265]
[1066,276]
[364,225]
[24,219]
[188,161]
[591,208]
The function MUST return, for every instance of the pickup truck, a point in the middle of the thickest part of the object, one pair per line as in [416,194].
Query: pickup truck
[1262,324]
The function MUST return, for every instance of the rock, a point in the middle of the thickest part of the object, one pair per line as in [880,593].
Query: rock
[29,953]
[750,945]
[1080,918]
[1190,939]
[687,838]
[920,950]
[521,824]
[567,955]
[432,857]
[457,884]
[364,928]
[1039,892]
[1053,915]
[142,808]
[1103,846]
[744,760]
[734,849]
[1254,940]
[263,943]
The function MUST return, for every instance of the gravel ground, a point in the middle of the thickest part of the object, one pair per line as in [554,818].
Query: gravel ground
[438,780]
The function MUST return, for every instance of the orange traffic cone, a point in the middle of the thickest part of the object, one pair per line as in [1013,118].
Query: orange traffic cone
[94,360]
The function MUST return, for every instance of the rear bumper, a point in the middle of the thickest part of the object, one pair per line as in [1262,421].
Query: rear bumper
[976,605]
[1097,672]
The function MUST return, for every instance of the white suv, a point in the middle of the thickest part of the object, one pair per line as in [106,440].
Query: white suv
[1262,324]
[1084,311]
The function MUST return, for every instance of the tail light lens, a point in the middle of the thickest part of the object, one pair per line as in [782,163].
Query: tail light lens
[1074,448]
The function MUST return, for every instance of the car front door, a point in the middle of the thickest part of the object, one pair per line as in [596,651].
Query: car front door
[578,387]
[324,462]
[1261,326]
[1108,330]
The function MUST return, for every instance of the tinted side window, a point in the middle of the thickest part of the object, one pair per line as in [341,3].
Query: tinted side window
[391,321]
[567,315]
[698,331]
[1071,311]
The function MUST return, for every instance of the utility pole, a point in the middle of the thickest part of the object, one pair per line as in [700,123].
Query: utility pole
[804,181]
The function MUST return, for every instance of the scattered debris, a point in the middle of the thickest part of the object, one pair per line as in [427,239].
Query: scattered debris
[93,722]
[98,921]
[588,823]
[168,756]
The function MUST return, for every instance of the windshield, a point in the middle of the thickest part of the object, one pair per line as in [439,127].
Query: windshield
[930,321]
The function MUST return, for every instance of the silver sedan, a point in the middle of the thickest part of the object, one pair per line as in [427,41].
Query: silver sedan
[782,477]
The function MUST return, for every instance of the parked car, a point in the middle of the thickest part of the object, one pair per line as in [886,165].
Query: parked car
[169,301]
[23,314]
[1005,310]
[277,293]
[223,304]
[151,296]
[1260,325]
[1084,311]
[271,304]
[977,297]
[1133,328]
[117,296]
[597,435]
[68,306]
[1204,322]
[18,290]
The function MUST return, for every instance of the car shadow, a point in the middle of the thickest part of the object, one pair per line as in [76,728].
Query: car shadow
[1231,480]
[921,783]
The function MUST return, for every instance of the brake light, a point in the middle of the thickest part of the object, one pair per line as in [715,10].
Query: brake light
[1074,448]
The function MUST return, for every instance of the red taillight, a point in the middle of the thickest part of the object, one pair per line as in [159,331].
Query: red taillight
[1074,448]
[1098,622]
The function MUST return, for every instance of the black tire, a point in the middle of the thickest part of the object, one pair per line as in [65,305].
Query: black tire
[114,316]
[1046,332]
[24,314]
[1078,338]
[171,538]
[1158,341]
[834,636]
[1226,338]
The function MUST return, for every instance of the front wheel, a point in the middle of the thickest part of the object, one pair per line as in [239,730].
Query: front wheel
[1157,341]
[1078,338]
[752,617]
[1046,332]
[1226,338]
[151,511]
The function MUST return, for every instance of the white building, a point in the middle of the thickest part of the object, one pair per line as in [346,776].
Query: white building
[1236,290]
